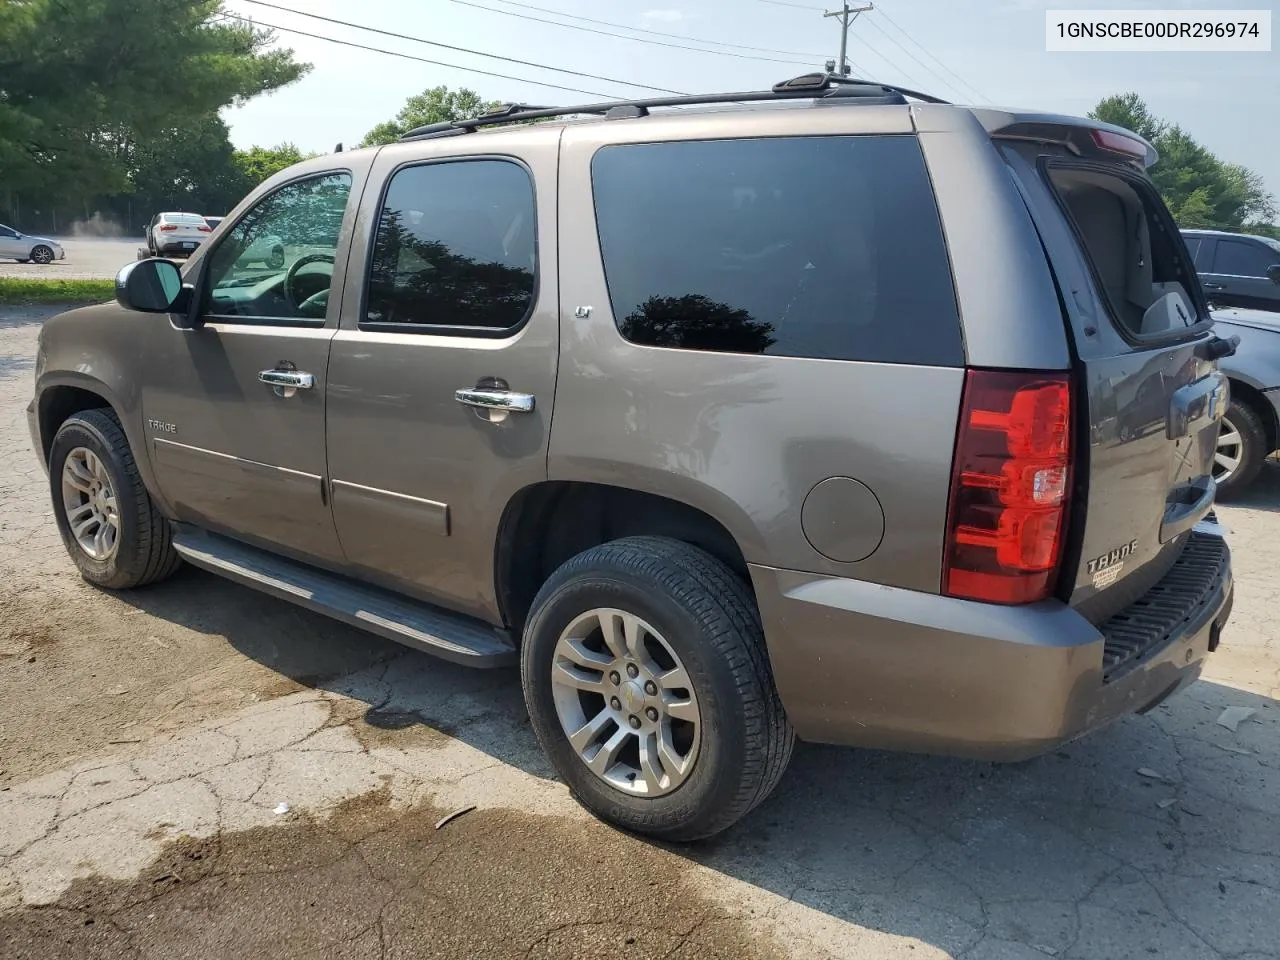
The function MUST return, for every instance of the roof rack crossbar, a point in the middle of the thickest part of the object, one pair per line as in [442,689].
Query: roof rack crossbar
[808,87]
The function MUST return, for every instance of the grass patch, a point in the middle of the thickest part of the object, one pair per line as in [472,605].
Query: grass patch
[22,290]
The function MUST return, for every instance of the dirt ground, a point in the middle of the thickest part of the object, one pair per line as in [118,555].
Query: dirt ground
[196,769]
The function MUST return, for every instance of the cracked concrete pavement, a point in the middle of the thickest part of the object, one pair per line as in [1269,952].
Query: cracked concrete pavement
[196,769]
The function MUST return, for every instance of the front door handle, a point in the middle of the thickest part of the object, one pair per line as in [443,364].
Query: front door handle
[508,401]
[285,383]
[1212,286]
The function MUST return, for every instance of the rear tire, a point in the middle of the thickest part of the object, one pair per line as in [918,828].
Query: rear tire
[704,617]
[141,550]
[1241,449]
[276,259]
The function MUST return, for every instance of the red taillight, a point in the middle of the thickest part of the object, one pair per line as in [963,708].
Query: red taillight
[1011,476]
[1118,143]
[204,229]
[168,226]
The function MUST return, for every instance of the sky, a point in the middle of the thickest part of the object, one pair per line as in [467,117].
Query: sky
[978,51]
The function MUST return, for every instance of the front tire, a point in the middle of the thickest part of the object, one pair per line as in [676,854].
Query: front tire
[649,687]
[42,255]
[276,259]
[109,525]
[1241,449]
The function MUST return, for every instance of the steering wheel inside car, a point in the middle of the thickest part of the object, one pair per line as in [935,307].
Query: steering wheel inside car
[290,283]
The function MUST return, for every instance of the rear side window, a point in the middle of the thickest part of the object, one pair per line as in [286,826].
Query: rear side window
[823,247]
[455,248]
[1142,271]
[1239,258]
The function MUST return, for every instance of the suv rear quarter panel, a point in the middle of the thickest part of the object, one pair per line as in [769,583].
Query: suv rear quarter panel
[746,438]
[1008,302]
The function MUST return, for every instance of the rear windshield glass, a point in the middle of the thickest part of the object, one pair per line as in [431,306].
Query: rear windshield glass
[825,247]
[1141,269]
[193,219]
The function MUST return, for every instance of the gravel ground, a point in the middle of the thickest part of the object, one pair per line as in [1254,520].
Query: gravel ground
[197,770]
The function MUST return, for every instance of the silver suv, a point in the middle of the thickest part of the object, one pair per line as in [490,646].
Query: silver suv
[816,413]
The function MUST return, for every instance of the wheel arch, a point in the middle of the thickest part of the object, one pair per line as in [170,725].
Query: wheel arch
[547,523]
[67,395]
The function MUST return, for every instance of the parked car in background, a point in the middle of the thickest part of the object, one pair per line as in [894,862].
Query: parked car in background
[1237,269]
[16,245]
[1251,428]
[607,399]
[176,234]
[267,249]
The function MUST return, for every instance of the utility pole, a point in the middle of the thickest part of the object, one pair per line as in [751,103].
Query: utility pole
[847,15]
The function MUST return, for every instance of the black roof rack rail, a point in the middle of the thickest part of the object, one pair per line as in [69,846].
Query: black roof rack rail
[810,86]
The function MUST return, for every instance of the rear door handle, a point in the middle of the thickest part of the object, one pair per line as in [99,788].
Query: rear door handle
[285,383]
[508,401]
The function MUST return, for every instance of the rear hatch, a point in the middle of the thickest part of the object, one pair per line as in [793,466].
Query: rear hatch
[1148,396]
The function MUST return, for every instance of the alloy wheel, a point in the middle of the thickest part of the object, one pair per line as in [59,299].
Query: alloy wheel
[1229,453]
[626,703]
[89,503]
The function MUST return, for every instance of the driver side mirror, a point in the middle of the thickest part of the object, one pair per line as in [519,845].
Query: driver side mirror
[1273,273]
[151,286]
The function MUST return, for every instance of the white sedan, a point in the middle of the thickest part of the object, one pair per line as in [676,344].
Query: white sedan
[15,245]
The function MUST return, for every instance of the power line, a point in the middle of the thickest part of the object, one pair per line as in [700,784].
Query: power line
[972,89]
[446,46]
[657,33]
[410,56]
[793,6]
[619,36]
[933,72]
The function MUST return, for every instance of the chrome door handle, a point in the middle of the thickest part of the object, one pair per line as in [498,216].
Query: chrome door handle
[506,401]
[1212,286]
[285,383]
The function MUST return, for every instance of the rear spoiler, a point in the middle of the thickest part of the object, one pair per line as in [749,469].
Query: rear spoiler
[1084,137]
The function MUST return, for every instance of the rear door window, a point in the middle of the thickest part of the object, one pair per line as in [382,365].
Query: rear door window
[1203,254]
[1142,272]
[455,250]
[823,247]
[1240,258]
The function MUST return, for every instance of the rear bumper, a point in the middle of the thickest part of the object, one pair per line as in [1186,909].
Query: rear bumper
[873,666]
[178,246]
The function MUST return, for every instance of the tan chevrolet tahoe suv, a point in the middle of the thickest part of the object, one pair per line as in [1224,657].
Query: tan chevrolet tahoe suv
[829,411]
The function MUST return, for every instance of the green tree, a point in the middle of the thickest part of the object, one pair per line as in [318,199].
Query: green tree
[1201,189]
[258,163]
[189,166]
[435,105]
[86,85]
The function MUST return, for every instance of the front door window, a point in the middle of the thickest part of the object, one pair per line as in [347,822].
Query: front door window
[277,262]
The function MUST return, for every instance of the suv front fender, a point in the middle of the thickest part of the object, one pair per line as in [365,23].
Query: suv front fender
[95,351]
